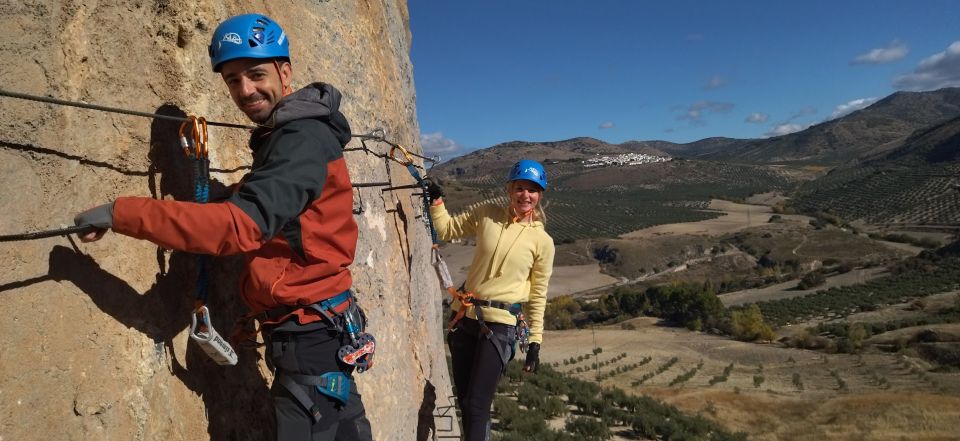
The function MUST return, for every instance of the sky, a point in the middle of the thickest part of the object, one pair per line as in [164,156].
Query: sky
[494,71]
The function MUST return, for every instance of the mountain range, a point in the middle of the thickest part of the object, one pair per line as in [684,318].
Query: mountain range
[866,133]
[896,161]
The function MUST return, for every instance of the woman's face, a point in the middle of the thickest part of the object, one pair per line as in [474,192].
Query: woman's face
[524,196]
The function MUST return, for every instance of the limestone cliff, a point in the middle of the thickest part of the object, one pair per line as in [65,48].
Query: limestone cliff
[95,343]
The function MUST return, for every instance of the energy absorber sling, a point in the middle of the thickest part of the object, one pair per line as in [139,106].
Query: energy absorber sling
[466,299]
[201,329]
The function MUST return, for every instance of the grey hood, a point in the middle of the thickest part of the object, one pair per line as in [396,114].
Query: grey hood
[316,101]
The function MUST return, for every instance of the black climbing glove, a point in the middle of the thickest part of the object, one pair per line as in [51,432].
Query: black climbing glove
[533,358]
[433,190]
[99,217]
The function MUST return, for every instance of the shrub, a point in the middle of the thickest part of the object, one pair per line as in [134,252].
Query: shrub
[588,429]
[748,325]
[812,280]
[797,381]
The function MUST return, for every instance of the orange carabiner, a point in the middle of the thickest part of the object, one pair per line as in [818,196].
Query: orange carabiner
[200,135]
[198,131]
[406,155]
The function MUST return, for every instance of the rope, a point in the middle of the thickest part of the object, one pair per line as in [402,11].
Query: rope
[201,173]
[380,135]
[79,229]
[82,105]
[375,135]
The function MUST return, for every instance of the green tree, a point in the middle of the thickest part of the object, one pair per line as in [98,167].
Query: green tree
[748,325]
[856,333]
[588,429]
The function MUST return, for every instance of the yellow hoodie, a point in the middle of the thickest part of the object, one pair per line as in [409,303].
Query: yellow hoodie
[512,262]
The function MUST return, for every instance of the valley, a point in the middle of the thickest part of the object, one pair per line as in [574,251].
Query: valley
[763,293]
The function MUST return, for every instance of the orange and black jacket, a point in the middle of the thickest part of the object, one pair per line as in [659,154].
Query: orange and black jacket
[292,216]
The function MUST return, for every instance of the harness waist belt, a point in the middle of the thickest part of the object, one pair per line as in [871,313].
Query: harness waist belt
[336,304]
[511,307]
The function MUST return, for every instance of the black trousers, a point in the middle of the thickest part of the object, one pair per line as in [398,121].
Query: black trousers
[478,363]
[314,352]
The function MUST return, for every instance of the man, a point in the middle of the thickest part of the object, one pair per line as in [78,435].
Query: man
[291,216]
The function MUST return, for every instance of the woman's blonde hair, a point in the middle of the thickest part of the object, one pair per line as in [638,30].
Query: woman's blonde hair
[538,212]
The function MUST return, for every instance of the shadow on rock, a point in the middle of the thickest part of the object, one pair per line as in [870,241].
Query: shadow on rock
[237,399]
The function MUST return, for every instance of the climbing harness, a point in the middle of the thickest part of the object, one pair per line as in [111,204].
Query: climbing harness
[350,321]
[201,330]
[344,314]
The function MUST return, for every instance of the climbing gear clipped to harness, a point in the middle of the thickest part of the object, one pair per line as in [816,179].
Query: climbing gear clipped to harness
[345,315]
[362,346]
[201,329]
[335,385]
[210,340]
[523,331]
[465,298]
[360,350]
[436,259]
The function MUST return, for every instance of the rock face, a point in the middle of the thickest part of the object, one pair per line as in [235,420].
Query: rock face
[95,335]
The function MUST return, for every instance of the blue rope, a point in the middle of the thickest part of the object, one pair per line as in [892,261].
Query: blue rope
[201,193]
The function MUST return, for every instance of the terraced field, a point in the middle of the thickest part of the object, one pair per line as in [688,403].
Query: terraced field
[768,391]
[606,202]
[925,194]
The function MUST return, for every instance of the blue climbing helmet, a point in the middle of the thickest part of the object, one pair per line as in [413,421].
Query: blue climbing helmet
[248,36]
[529,170]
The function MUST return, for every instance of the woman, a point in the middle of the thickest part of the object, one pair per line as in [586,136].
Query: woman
[511,266]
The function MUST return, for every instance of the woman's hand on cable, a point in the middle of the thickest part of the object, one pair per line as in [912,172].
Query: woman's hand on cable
[533,358]
[434,191]
[99,218]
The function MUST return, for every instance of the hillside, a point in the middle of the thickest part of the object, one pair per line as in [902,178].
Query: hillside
[496,160]
[914,183]
[866,132]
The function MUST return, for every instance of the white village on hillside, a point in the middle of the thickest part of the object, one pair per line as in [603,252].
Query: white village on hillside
[624,159]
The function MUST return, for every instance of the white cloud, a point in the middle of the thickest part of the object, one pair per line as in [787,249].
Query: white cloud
[694,113]
[786,129]
[757,118]
[435,144]
[934,72]
[851,106]
[607,125]
[894,51]
[715,82]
